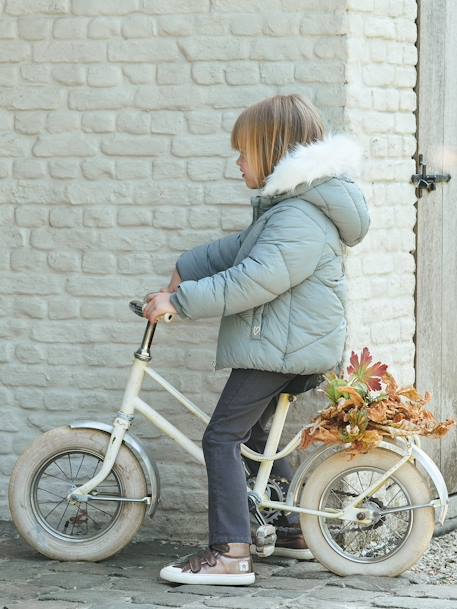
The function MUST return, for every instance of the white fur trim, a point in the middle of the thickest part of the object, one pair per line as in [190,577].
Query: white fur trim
[335,155]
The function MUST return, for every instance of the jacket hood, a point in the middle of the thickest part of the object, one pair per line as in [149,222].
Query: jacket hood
[322,170]
[337,154]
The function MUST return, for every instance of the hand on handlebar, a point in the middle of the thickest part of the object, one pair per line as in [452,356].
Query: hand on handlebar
[158,304]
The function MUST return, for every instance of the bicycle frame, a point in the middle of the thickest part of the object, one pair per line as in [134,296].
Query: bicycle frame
[132,403]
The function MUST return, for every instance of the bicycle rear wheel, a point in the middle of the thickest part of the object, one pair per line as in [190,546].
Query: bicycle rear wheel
[388,546]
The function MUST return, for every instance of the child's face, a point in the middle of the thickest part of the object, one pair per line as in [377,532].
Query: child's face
[249,177]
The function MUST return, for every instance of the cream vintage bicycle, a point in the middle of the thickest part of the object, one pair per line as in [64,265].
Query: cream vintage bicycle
[81,492]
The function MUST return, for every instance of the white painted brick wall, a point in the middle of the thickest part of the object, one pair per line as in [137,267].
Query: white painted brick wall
[115,119]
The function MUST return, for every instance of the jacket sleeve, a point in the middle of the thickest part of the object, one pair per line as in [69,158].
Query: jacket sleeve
[210,258]
[287,251]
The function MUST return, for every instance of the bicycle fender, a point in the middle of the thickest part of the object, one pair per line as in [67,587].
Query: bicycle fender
[428,465]
[132,442]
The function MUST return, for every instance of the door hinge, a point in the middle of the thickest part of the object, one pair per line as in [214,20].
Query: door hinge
[427,181]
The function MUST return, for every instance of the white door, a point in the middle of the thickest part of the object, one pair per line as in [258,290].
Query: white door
[436,228]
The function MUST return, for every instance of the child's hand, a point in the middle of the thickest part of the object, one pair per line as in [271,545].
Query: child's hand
[157,305]
[174,282]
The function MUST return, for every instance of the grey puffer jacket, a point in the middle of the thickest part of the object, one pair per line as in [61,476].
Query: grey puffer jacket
[279,285]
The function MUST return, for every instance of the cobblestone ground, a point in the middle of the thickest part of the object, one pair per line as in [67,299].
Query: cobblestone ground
[131,580]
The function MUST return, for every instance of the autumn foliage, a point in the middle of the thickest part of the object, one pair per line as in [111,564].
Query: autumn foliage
[359,417]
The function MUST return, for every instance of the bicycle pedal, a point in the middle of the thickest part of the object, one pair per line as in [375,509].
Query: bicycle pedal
[265,539]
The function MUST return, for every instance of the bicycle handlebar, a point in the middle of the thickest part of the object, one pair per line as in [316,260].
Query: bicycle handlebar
[137,306]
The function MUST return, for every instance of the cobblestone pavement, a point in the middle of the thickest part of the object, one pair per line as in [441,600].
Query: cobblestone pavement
[131,580]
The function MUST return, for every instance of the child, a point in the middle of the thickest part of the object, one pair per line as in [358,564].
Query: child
[279,288]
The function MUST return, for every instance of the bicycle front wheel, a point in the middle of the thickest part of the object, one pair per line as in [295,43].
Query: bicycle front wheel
[57,462]
[388,546]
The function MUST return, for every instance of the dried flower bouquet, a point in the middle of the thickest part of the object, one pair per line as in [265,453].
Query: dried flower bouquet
[361,418]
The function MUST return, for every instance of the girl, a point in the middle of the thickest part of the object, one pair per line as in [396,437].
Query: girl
[279,288]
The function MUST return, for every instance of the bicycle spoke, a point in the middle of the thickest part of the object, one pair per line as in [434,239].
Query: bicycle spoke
[84,524]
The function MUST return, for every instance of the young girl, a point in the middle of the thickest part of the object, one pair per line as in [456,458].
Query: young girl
[279,288]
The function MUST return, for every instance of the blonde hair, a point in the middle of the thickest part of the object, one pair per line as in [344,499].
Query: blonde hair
[267,130]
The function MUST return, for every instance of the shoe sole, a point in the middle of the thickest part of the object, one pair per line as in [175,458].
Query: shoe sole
[304,554]
[174,574]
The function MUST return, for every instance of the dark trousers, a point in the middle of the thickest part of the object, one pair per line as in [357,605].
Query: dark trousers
[244,408]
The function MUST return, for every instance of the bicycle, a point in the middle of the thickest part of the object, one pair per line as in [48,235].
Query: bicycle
[81,492]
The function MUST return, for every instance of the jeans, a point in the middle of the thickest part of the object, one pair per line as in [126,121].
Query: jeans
[245,405]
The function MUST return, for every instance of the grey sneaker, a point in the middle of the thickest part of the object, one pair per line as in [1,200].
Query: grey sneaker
[228,564]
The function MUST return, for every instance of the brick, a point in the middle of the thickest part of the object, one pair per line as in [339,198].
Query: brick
[8,29]
[97,169]
[63,308]
[246,25]
[138,51]
[99,262]
[98,122]
[98,193]
[104,28]
[242,73]
[213,48]
[203,121]
[31,98]
[63,145]
[280,24]
[63,169]
[133,264]
[11,146]
[127,145]
[34,27]
[164,7]
[99,99]
[169,217]
[26,7]
[70,27]
[277,73]
[107,7]
[29,169]
[8,74]
[64,261]
[104,76]
[139,74]
[238,6]
[203,217]
[134,239]
[30,283]
[69,74]
[133,170]
[97,309]
[204,145]
[166,122]
[4,169]
[27,259]
[100,217]
[70,52]
[163,169]
[207,73]
[62,121]
[65,217]
[138,26]
[205,169]
[32,73]
[134,217]
[279,49]
[133,122]
[174,25]
[173,73]
[53,238]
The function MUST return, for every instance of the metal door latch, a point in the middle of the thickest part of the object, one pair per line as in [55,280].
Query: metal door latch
[427,181]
